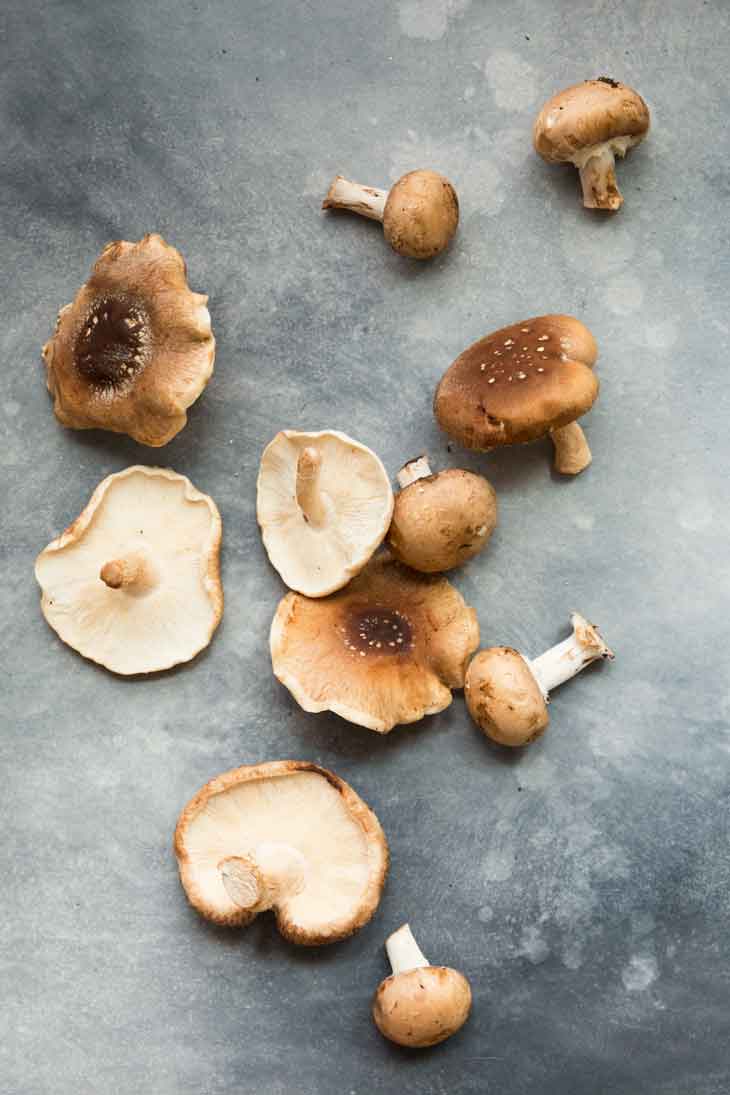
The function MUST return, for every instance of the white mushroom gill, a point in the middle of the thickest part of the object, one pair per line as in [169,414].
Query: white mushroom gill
[403,951]
[563,661]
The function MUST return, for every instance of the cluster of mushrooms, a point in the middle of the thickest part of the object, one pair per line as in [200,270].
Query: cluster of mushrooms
[370,628]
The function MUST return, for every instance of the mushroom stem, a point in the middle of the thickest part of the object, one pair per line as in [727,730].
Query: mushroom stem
[403,951]
[257,881]
[309,497]
[413,470]
[572,454]
[131,572]
[368,201]
[598,179]
[569,657]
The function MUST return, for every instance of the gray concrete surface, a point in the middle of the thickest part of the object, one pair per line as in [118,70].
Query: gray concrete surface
[582,885]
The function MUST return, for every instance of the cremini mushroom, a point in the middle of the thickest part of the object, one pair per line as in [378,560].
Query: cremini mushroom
[588,125]
[286,836]
[324,504]
[419,213]
[134,583]
[507,693]
[387,650]
[419,1005]
[520,383]
[135,348]
[440,521]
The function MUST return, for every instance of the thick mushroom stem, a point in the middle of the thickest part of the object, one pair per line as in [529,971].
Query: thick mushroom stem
[403,951]
[572,454]
[132,572]
[413,470]
[368,201]
[309,497]
[256,882]
[598,179]
[568,658]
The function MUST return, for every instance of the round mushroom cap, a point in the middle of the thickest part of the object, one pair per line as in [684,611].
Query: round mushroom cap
[318,552]
[156,523]
[387,650]
[440,521]
[421,214]
[135,348]
[504,698]
[335,837]
[588,114]
[423,1006]
[519,383]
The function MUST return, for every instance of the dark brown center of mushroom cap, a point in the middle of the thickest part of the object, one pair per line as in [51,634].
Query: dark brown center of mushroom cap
[112,345]
[377,629]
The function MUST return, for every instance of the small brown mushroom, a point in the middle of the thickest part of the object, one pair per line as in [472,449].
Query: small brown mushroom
[419,1005]
[440,521]
[507,694]
[419,213]
[588,125]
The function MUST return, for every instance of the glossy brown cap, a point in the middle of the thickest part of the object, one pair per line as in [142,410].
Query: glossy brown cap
[421,214]
[422,1007]
[588,114]
[504,698]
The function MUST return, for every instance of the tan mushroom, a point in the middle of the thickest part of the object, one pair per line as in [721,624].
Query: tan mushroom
[134,583]
[588,125]
[519,384]
[387,650]
[135,348]
[440,521]
[507,693]
[420,213]
[419,1005]
[286,836]
[324,505]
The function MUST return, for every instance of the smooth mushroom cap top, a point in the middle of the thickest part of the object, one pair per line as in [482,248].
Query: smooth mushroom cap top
[588,114]
[421,214]
[504,698]
[422,1007]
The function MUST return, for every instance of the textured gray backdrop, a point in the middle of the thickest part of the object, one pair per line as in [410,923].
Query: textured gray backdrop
[583,884]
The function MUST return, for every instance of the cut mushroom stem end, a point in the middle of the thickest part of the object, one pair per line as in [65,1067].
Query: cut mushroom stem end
[572,454]
[309,495]
[566,659]
[132,573]
[418,468]
[367,201]
[256,882]
[598,180]
[403,951]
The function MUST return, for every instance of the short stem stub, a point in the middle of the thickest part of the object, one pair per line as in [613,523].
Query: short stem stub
[569,657]
[403,951]
[368,201]
[572,454]
[418,468]
[258,881]
[309,497]
[598,180]
[131,572]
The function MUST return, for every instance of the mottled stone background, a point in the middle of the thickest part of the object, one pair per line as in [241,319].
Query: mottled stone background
[583,884]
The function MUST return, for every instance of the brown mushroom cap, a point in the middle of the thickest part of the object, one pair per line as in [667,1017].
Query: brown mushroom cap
[421,214]
[504,698]
[440,521]
[422,1007]
[518,383]
[588,114]
[135,348]
[386,650]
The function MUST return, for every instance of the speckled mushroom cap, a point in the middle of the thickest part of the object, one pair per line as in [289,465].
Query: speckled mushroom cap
[588,114]
[504,697]
[387,650]
[287,836]
[518,383]
[135,348]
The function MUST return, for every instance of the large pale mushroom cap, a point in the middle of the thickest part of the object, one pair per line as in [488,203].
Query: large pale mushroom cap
[589,114]
[387,650]
[324,505]
[287,836]
[134,583]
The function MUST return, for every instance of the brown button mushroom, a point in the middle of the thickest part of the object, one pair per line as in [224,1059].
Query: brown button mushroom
[135,348]
[386,650]
[588,125]
[419,213]
[440,521]
[520,383]
[507,693]
[286,836]
[324,505]
[419,1005]
[134,583]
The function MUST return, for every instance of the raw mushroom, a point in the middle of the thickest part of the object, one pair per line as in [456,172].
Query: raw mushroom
[324,505]
[419,213]
[520,383]
[440,521]
[419,1004]
[135,348]
[134,583]
[588,125]
[287,836]
[387,650]
[507,693]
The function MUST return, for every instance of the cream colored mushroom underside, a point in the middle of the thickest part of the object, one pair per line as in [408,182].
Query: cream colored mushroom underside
[302,810]
[130,632]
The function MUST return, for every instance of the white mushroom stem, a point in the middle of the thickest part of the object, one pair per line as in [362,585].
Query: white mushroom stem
[413,470]
[403,951]
[132,572]
[368,201]
[572,454]
[565,660]
[257,881]
[598,179]
[309,497]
